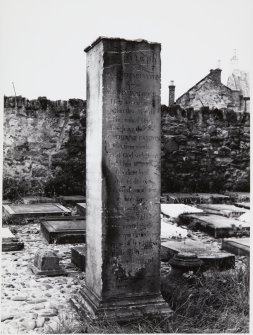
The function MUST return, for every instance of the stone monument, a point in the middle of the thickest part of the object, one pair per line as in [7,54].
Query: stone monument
[123,180]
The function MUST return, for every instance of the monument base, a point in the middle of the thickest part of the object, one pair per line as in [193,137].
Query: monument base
[120,310]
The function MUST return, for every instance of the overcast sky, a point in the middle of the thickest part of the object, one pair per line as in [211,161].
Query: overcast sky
[42,41]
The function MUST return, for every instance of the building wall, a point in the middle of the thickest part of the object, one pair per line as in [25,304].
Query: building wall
[44,148]
[209,93]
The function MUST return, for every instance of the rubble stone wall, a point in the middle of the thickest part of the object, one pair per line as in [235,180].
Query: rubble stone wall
[44,148]
[205,151]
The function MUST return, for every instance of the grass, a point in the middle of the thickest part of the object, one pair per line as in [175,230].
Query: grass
[217,302]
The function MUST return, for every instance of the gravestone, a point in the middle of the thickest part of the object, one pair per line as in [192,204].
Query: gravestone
[64,231]
[211,258]
[18,212]
[46,263]
[36,199]
[71,199]
[123,181]
[216,225]
[238,246]
[225,210]
[10,242]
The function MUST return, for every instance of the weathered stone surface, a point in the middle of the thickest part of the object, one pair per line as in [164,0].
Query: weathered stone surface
[216,225]
[78,257]
[123,180]
[225,210]
[71,199]
[34,210]
[211,259]
[81,208]
[46,263]
[64,231]
[237,246]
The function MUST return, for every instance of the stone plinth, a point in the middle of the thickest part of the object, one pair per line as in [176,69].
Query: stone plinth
[63,231]
[123,181]
[46,263]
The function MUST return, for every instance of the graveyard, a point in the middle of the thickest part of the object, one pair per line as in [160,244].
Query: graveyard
[121,215]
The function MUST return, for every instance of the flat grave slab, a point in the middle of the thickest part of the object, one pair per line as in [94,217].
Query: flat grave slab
[81,208]
[34,210]
[64,231]
[169,230]
[239,196]
[245,205]
[174,210]
[10,242]
[192,198]
[37,199]
[216,225]
[78,257]
[246,217]
[237,246]
[71,199]
[223,209]
[6,202]
[212,259]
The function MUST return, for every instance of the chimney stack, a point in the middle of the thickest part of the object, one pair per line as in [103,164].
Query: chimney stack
[171,93]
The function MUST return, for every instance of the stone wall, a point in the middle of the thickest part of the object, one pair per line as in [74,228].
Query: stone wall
[44,148]
[205,151]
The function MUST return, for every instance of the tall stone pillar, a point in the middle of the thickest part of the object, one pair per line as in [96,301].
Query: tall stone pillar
[123,180]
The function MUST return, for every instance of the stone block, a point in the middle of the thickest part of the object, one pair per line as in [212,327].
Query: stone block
[78,257]
[237,246]
[223,209]
[216,225]
[17,212]
[211,259]
[197,198]
[64,231]
[46,263]
[81,208]
[10,242]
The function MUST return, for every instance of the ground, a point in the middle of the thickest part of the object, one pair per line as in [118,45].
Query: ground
[40,304]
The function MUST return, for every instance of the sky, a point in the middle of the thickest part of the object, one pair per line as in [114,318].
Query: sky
[42,41]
